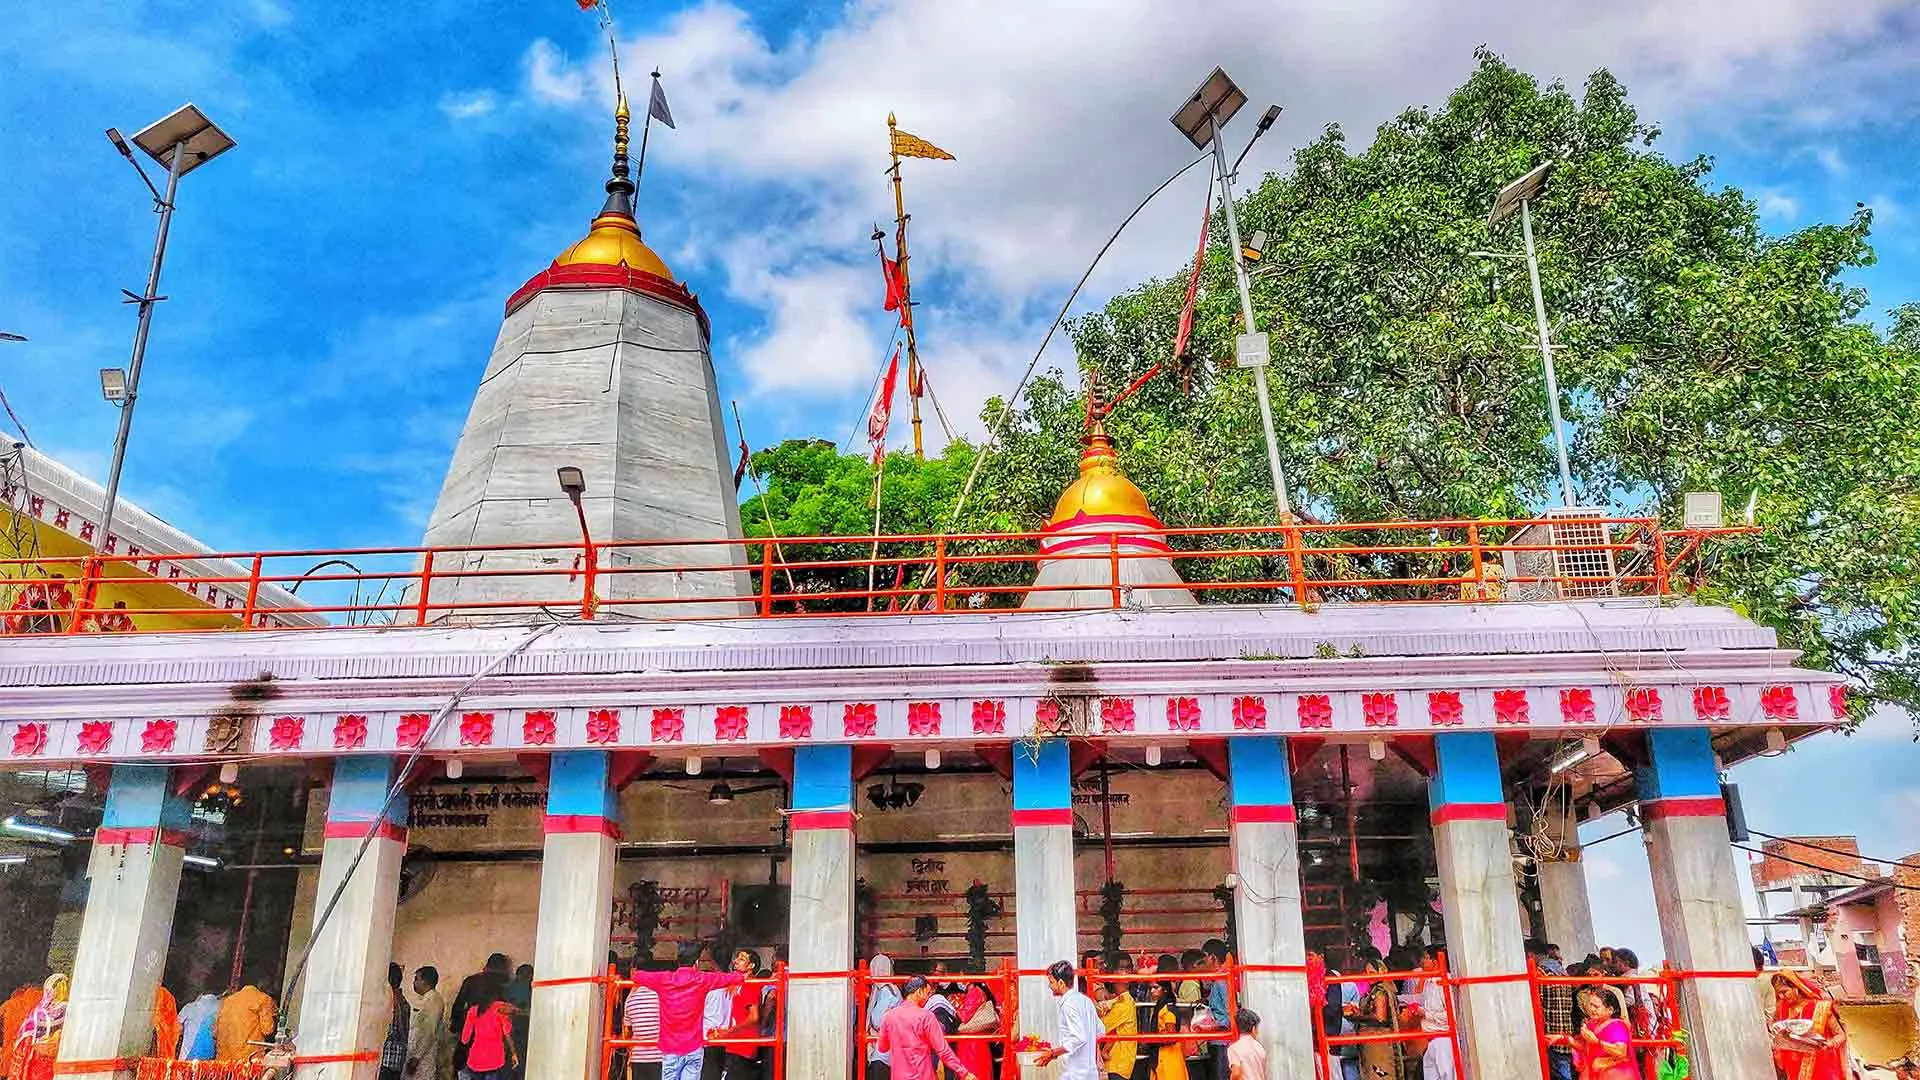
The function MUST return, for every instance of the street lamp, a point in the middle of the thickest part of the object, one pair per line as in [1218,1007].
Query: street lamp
[574,483]
[1200,120]
[1519,195]
[181,143]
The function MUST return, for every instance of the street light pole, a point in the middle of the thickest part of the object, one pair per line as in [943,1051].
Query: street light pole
[1546,356]
[1274,467]
[147,300]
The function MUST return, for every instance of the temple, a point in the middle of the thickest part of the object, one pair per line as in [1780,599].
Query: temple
[597,720]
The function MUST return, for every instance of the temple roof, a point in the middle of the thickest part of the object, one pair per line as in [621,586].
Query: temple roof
[1103,493]
[614,237]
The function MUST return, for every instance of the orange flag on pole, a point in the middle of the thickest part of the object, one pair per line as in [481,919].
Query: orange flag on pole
[882,414]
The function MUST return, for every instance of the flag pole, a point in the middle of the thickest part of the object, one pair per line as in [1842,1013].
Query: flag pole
[873,559]
[906,290]
[640,171]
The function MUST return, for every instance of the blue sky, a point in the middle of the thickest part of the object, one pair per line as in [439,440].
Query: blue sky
[337,281]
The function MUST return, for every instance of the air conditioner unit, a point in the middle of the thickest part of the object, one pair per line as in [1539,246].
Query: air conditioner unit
[1570,559]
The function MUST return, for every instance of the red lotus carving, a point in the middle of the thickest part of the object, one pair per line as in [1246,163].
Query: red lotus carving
[1380,710]
[1837,699]
[476,728]
[989,717]
[1249,713]
[923,718]
[96,736]
[539,728]
[1510,707]
[1780,703]
[1711,703]
[1644,704]
[796,721]
[603,725]
[1315,711]
[157,737]
[413,729]
[730,722]
[350,732]
[29,740]
[669,725]
[1445,710]
[1576,705]
[1116,714]
[1183,714]
[286,732]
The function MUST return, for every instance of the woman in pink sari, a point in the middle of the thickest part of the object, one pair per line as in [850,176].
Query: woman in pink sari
[1603,1049]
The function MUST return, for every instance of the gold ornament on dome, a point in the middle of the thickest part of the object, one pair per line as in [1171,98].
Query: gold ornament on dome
[1102,491]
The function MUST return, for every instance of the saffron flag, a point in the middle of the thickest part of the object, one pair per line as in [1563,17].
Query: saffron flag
[916,380]
[588,5]
[657,106]
[891,271]
[740,470]
[1193,283]
[882,415]
[905,145]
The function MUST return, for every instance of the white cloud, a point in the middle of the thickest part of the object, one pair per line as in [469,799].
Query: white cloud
[1830,160]
[1058,123]
[468,105]
[1777,204]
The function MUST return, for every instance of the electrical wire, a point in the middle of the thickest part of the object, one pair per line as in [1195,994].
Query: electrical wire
[1828,869]
[1834,851]
[17,425]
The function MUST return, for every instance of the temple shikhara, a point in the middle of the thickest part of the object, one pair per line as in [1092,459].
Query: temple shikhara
[589,717]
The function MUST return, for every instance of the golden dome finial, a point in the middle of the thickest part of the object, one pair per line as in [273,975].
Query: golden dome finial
[614,237]
[1102,494]
[620,110]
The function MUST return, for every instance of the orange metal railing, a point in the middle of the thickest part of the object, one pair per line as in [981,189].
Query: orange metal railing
[1372,562]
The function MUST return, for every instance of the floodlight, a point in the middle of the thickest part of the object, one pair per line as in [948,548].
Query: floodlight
[119,142]
[1703,510]
[1213,103]
[113,384]
[1522,190]
[202,138]
[572,481]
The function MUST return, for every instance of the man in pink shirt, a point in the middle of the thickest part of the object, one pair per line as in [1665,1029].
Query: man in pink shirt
[682,995]
[913,1037]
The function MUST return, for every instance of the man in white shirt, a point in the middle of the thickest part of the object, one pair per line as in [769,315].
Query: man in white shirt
[1436,1063]
[1080,1028]
[716,1016]
[427,1029]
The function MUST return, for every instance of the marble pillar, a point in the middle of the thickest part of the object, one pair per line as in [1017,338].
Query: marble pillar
[1266,859]
[1697,893]
[1481,907]
[576,902]
[133,881]
[343,1003]
[820,909]
[1043,881]
[1566,912]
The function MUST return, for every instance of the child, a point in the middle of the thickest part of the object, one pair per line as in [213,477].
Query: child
[1246,1058]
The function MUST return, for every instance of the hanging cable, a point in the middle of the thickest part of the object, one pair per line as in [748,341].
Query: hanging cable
[1834,851]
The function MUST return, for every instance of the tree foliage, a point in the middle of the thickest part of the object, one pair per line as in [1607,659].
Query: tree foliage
[1694,351]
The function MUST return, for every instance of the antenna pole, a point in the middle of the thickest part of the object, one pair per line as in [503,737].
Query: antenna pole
[906,290]
[646,127]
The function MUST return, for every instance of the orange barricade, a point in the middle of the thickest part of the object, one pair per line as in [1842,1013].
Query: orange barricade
[618,987]
[1001,984]
[1229,974]
[1326,1044]
[174,1069]
[1647,1003]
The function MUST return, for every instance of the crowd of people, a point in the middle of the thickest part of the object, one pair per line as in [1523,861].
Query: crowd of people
[694,1021]
[231,1027]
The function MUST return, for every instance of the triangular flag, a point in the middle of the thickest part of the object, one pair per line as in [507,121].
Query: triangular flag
[882,415]
[891,271]
[906,145]
[657,106]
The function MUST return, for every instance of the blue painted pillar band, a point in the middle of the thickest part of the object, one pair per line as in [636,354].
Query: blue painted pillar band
[1259,778]
[143,809]
[360,786]
[1466,783]
[822,788]
[580,795]
[1042,784]
[1684,777]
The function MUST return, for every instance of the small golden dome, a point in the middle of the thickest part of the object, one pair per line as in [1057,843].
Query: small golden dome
[1103,492]
[615,240]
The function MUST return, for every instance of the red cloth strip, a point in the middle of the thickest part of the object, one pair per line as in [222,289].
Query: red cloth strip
[335,1059]
[357,830]
[1061,816]
[573,981]
[1702,806]
[1472,980]
[1469,812]
[139,835]
[97,1065]
[562,824]
[1271,815]
[820,819]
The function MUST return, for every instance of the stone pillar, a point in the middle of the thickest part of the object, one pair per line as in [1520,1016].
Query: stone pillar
[1566,913]
[820,913]
[1043,884]
[1481,907]
[1702,921]
[1266,858]
[576,909]
[343,1004]
[133,883]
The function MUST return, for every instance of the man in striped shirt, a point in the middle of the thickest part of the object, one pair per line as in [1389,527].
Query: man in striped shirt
[641,1022]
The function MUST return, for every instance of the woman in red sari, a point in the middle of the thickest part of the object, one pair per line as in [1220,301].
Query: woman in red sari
[1603,1049]
[978,1016]
[1809,1042]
